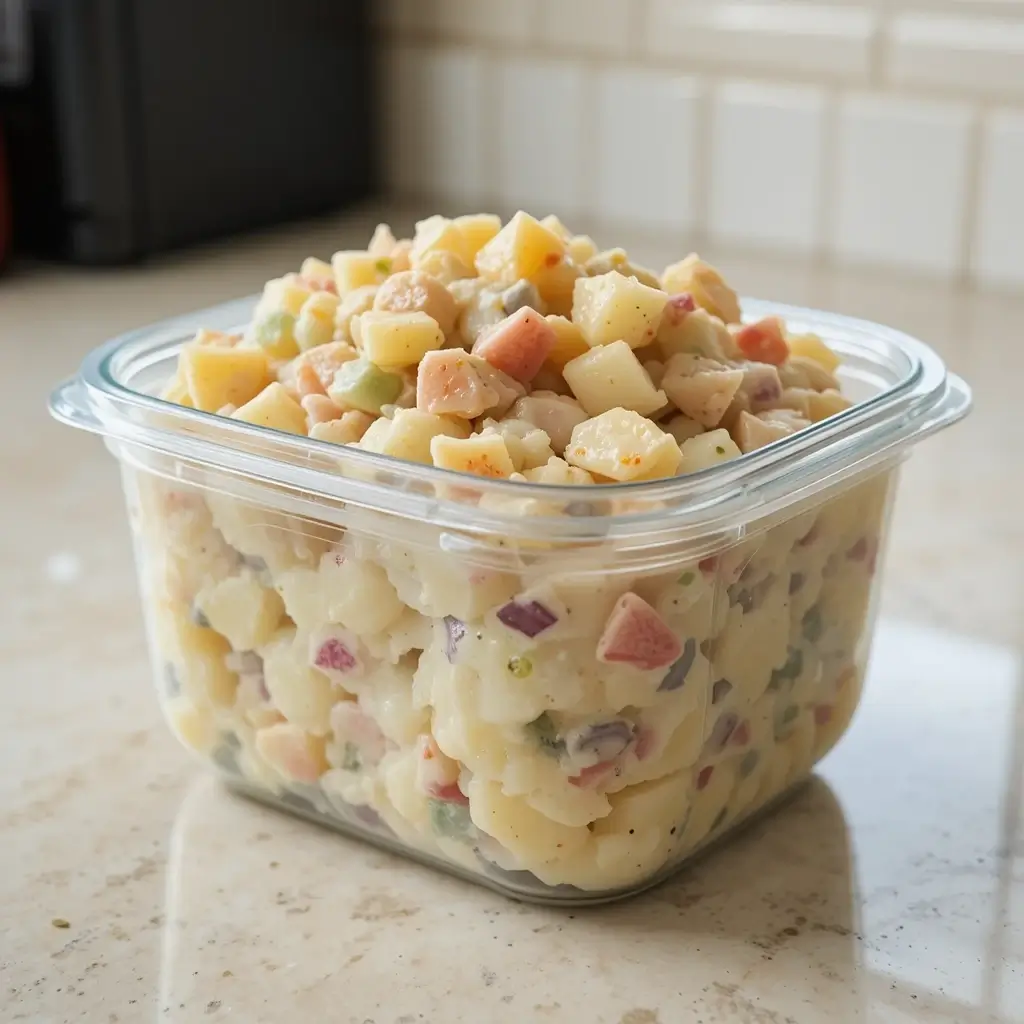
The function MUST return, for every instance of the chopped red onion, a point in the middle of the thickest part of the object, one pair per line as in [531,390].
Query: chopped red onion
[676,675]
[704,776]
[530,618]
[604,741]
[721,732]
[455,630]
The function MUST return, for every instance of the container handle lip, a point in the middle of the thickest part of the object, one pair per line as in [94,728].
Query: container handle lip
[69,404]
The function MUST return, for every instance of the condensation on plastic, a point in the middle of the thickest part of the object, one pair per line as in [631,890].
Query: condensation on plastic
[528,764]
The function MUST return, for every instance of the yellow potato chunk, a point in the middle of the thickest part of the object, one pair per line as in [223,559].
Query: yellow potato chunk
[214,377]
[409,433]
[438,234]
[356,269]
[303,694]
[316,272]
[810,346]
[581,248]
[315,323]
[520,249]
[198,654]
[526,833]
[354,304]
[396,340]
[417,292]
[556,227]
[242,610]
[196,728]
[477,229]
[556,285]
[611,307]
[707,450]
[822,404]
[611,376]
[705,284]
[274,407]
[482,455]
[616,259]
[350,427]
[622,445]
[569,341]
[287,293]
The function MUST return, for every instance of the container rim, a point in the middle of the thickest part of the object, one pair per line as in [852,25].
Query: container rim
[913,396]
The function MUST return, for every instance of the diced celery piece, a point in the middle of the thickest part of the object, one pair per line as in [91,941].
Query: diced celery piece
[359,384]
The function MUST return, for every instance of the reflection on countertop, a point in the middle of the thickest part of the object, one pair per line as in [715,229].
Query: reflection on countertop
[889,889]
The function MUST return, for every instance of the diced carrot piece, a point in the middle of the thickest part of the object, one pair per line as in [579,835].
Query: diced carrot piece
[519,345]
[764,341]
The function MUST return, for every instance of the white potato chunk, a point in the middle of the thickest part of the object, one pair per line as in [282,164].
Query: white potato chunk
[701,388]
[622,445]
[611,308]
[707,450]
[610,377]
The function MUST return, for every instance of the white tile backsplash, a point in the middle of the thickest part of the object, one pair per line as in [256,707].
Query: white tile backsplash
[847,127]
[982,56]
[901,181]
[831,42]
[505,22]
[542,137]
[767,165]
[647,149]
[998,251]
[436,123]
[606,27]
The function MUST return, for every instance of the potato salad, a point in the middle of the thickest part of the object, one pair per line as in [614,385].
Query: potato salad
[569,718]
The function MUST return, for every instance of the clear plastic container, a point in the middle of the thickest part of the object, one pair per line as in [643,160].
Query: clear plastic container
[411,655]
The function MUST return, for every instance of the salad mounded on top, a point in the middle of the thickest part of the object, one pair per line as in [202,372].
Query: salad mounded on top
[518,352]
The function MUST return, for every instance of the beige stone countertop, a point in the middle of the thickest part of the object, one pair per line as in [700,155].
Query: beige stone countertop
[890,889]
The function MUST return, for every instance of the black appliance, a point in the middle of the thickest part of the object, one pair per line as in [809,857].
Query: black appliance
[139,125]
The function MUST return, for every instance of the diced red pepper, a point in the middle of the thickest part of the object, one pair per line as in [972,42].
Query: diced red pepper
[704,776]
[764,341]
[678,308]
[635,634]
[708,565]
[449,792]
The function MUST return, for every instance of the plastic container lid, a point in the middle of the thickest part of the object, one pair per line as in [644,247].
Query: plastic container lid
[902,390]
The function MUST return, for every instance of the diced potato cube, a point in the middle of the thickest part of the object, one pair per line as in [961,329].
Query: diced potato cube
[292,752]
[409,433]
[528,446]
[520,249]
[822,404]
[616,259]
[320,409]
[695,331]
[556,285]
[382,241]
[176,389]
[817,376]
[354,269]
[701,388]
[682,428]
[581,248]
[242,610]
[357,302]
[477,229]
[443,266]
[798,399]
[274,407]
[705,284]
[556,227]
[706,450]
[622,445]
[437,234]
[360,384]
[482,455]
[196,728]
[417,292]
[518,345]
[198,657]
[569,341]
[317,274]
[349,428]
[611,377]
[396,340]
[612,308]
[810,346]
[302,693]
[556,415]
[559,472]
[750,432]
[287,293]
[215,377]
[315,323]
